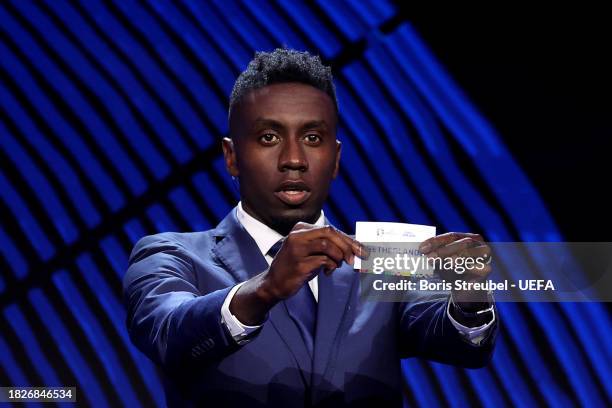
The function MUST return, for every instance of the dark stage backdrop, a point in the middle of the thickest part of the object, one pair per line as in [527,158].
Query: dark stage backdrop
[111,115]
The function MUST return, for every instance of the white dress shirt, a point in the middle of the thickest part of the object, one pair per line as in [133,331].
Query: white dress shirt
[265,237]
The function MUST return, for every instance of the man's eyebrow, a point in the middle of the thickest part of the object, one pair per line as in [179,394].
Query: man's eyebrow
[276,125]
[267,123]
[314,124]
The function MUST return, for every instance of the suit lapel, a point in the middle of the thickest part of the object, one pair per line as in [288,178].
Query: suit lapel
[239,254]
[237,250]
[334,297]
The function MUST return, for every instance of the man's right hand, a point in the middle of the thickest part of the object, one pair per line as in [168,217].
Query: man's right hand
[307,250]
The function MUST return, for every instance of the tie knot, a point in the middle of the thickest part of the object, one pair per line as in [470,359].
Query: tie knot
[275,248]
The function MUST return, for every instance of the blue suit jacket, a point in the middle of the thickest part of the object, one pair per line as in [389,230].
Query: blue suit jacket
[175,286]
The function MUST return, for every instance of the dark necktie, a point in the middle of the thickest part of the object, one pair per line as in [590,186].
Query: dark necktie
[302,307]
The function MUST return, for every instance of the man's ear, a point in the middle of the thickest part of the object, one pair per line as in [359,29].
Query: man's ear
[229,154]
[338,151]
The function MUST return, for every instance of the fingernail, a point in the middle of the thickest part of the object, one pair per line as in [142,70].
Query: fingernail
[425,247]
[363,252]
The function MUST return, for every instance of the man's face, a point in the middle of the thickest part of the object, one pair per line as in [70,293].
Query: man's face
[284,152]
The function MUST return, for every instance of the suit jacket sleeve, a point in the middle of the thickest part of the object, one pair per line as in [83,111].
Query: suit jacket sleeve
[167,318]
[426,331]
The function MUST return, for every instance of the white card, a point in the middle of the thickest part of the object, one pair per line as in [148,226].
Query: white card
[391,232]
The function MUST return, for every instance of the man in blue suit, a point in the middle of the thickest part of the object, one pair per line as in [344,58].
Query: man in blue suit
[264,309]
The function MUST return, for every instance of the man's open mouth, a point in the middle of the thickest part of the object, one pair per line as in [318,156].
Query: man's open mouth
[293,192]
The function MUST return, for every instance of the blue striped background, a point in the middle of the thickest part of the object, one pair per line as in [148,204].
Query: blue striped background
[110,119]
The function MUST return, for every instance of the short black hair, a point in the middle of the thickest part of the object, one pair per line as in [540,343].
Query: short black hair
[281,66]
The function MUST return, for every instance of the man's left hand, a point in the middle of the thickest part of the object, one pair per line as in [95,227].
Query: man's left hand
[462,245]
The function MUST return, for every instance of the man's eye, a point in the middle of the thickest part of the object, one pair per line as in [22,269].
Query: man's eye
[313,138]
[269,138]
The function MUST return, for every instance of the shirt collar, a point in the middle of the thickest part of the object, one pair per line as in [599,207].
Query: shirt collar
[263,235]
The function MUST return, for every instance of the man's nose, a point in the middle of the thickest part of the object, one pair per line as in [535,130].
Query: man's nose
[292,156]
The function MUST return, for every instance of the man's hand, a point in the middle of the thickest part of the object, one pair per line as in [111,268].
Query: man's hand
[462,245]
[307,250]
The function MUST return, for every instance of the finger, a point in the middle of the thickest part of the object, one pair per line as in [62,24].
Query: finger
[477,272]
[455,247]
[316,263]
[324,246]
[339,239]
[356,247]
[481,251]
[434,243]
[469,259]
[348,245]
